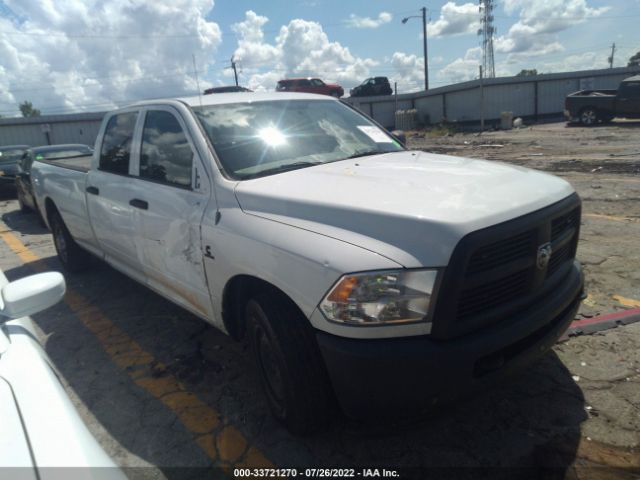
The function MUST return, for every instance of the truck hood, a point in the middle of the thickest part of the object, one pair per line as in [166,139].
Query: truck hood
[412,207]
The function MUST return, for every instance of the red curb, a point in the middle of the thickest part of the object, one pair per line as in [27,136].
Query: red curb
[604,318]
[600,323]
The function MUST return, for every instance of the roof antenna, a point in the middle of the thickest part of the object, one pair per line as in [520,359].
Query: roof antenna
[195,72]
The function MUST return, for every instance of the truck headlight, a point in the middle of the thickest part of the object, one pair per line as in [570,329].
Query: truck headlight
[380,298]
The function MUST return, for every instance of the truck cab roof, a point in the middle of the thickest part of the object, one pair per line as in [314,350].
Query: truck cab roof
[235,97]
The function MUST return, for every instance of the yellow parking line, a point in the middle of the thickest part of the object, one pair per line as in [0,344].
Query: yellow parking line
[627,302]
[219,440]
[26,255]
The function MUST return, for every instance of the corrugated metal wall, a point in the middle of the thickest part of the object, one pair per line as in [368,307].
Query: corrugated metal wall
[530,97]
[50,130]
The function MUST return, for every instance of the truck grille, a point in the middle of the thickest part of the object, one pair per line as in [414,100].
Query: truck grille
[492,294]
[497,271]
[499,253]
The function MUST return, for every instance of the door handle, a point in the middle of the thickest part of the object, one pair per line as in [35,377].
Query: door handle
[141,204]
[93,190]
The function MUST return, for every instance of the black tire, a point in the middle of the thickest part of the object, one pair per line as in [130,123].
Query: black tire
[589,116]
[72,256]
[289,363]
[40,217]
[23,208]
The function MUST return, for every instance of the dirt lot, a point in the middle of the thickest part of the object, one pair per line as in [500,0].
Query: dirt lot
[165,394]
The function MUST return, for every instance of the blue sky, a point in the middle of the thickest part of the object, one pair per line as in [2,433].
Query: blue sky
[79,55]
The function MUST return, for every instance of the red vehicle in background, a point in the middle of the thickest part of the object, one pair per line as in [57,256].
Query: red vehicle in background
[309,85]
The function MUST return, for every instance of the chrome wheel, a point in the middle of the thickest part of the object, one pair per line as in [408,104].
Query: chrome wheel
[589,116]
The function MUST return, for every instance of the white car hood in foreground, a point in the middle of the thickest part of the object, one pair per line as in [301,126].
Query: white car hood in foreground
[412,207]
[42,435]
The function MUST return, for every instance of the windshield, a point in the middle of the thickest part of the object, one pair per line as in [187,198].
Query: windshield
[264,138]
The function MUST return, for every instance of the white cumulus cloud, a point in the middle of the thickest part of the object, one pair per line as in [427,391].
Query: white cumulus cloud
[410,71]
[301,48]
[540,22]
[455,20]
[355,21]
[95,54]
[463,69]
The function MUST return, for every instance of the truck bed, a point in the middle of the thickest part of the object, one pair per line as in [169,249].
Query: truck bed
[594,93]
[63,181]
[81,163]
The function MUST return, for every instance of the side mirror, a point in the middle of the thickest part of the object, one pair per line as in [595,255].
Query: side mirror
[400,136]
[31,294]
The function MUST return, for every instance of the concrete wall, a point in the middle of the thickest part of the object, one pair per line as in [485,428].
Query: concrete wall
[534,98]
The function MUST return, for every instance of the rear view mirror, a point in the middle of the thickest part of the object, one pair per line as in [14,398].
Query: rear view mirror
[400,136]
[31,294]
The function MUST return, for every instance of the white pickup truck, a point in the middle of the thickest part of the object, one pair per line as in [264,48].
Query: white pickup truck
[386,279]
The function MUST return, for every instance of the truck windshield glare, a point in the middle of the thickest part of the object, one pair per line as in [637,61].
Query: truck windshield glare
[263,138]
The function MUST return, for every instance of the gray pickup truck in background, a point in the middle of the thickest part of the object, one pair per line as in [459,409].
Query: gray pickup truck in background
[592,106]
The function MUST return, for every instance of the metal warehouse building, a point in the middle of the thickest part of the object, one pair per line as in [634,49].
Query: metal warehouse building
[51,129]
[534,98]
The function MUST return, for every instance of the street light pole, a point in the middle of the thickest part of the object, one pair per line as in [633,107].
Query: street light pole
[424,43]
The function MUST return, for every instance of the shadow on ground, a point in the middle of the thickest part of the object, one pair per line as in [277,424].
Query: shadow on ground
[26,223]
[619,123]
[527,427]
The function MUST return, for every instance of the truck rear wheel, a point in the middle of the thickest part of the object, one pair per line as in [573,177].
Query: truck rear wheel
[589,116]
[289,363]
[72,256]
[23,207]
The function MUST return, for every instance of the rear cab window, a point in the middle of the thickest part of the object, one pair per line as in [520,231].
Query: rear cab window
[630,90]
[115,152]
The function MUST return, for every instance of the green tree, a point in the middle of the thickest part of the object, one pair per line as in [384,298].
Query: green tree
[634,61]
[527,73]
[27,109]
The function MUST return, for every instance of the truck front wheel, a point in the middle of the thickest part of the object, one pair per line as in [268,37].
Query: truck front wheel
[289,363]
[589,116]
[71,255]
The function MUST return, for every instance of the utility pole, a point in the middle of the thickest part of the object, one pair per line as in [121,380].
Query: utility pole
[481,101]
[424,48]
[613,53]
[235,72]
[424,43]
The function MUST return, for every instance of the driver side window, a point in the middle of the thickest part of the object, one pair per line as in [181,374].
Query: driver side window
[165,154]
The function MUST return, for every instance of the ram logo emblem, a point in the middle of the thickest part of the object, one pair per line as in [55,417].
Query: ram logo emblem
[544,255]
